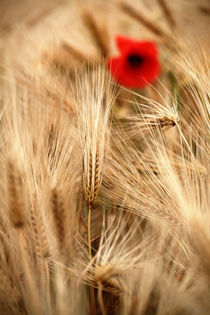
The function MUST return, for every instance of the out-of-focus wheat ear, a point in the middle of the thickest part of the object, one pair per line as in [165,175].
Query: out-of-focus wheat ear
[139,17]
[35,222]
[44,242]
[58,209]
[30,286]
[74,52]
[205,10]
[8,290]
[15,195]
[16,208]
[42,248]
[45,255]
[41,14]
[99,35]
[51,138]
[168,14]
[65,56]
[35,233]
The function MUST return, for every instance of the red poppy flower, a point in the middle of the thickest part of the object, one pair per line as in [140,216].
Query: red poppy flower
[137,65]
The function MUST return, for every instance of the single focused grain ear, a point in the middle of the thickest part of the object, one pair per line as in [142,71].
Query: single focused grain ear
[94,99]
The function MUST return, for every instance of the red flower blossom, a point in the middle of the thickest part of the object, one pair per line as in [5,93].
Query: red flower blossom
[137,65]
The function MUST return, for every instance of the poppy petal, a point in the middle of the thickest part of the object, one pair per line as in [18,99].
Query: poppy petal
[123,43]
[137,65]
[116,68]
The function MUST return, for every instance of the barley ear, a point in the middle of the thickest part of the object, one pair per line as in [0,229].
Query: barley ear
[15,195]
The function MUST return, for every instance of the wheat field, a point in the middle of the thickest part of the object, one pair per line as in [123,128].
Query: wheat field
[104,188]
